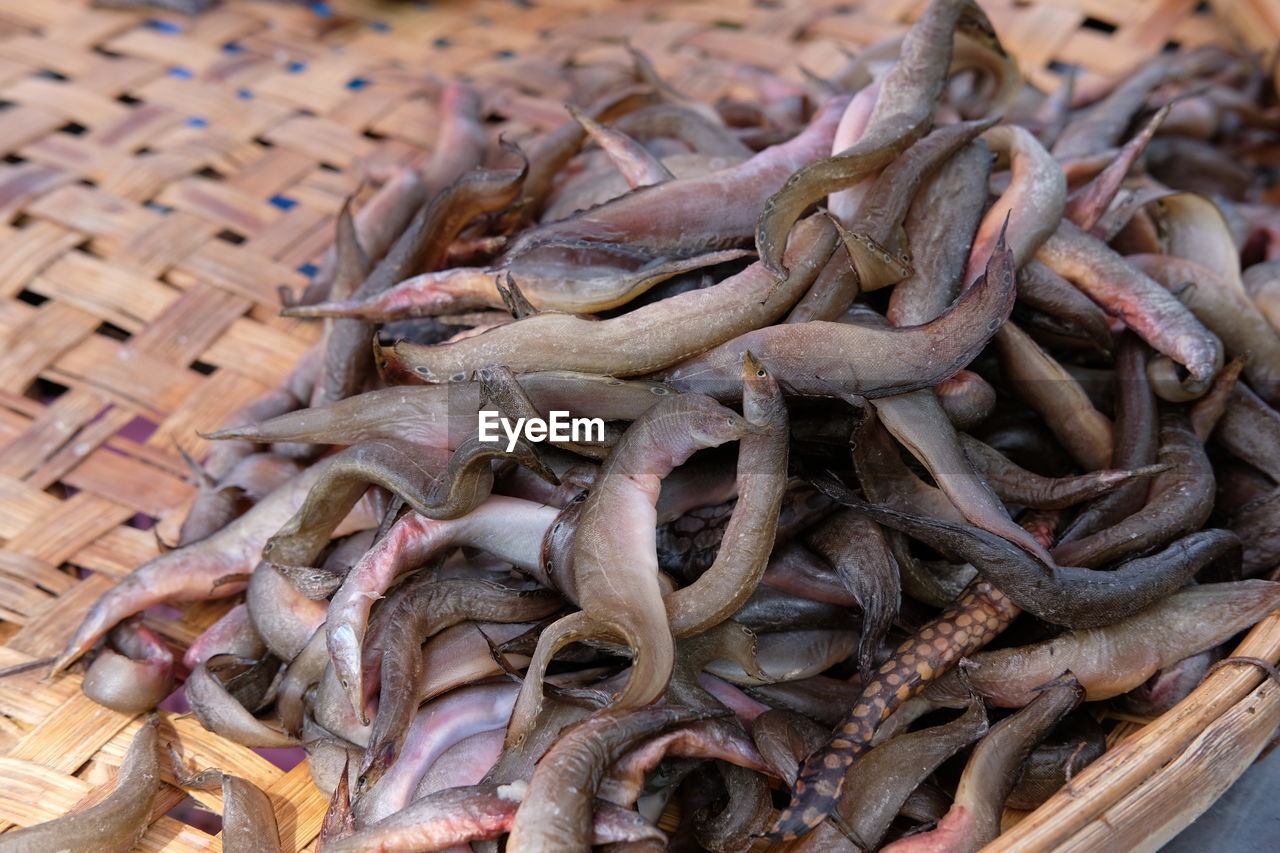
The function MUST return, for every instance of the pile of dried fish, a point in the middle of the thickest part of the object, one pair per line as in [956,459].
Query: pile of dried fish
[999,372]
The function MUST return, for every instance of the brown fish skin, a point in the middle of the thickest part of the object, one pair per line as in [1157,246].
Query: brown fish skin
[437,726]
[1017,485]
[1256,525]
[859,553]
[1077,744]
[888,773]
[556,811]
[1227,311]
[1027,213]
[424,607]
[561,281]
[338,822]
[745,814]
[902,114]
[456,816]
[614,577]
[282,617]
[1116,658]
[377,224]
[887,479]
[991,772]
[463,655]
[788,656]
[1137,439]
[549,154]
[1053,393]
[1262,283]
[748,539]
[460,137]
[887,203]
[233,632]
[641,341]
[940,244]
[640,167]
[293,393]
[784,738]
[721,739]
[1064,595]
[694,215]
[222,713]
[978,616]
[133,672]
[1003,241]
[1249,429]
[422,246]
[1170,685]
[1053,113]
[1087,204]
[967,398]
[302,674]
[873,232]
[509,528]
[459,147]
[1179,502]
[1042,290]
[113,825]
[1102,125]
[645,72]
[1146,307]
[220,501]
[848,362]
[917,421]
[192,573]
[248,817]
[1037,192]
[673,121]
[795,569]
[1208,410]
[345,369]
[445,415]
[432,482]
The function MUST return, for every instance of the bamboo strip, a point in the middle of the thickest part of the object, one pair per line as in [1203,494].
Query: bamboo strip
[1256,21]
[300,807]
[1131,762]
[1155,811]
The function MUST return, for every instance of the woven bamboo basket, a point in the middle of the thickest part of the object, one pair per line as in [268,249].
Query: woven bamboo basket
[162,176]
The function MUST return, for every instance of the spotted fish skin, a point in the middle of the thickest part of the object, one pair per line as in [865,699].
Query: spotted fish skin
[976,617]
[688,546]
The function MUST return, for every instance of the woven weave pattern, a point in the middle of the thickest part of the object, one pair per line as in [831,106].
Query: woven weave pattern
[162,177]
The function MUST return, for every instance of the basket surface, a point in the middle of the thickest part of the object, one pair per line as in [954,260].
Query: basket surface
[162,176]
